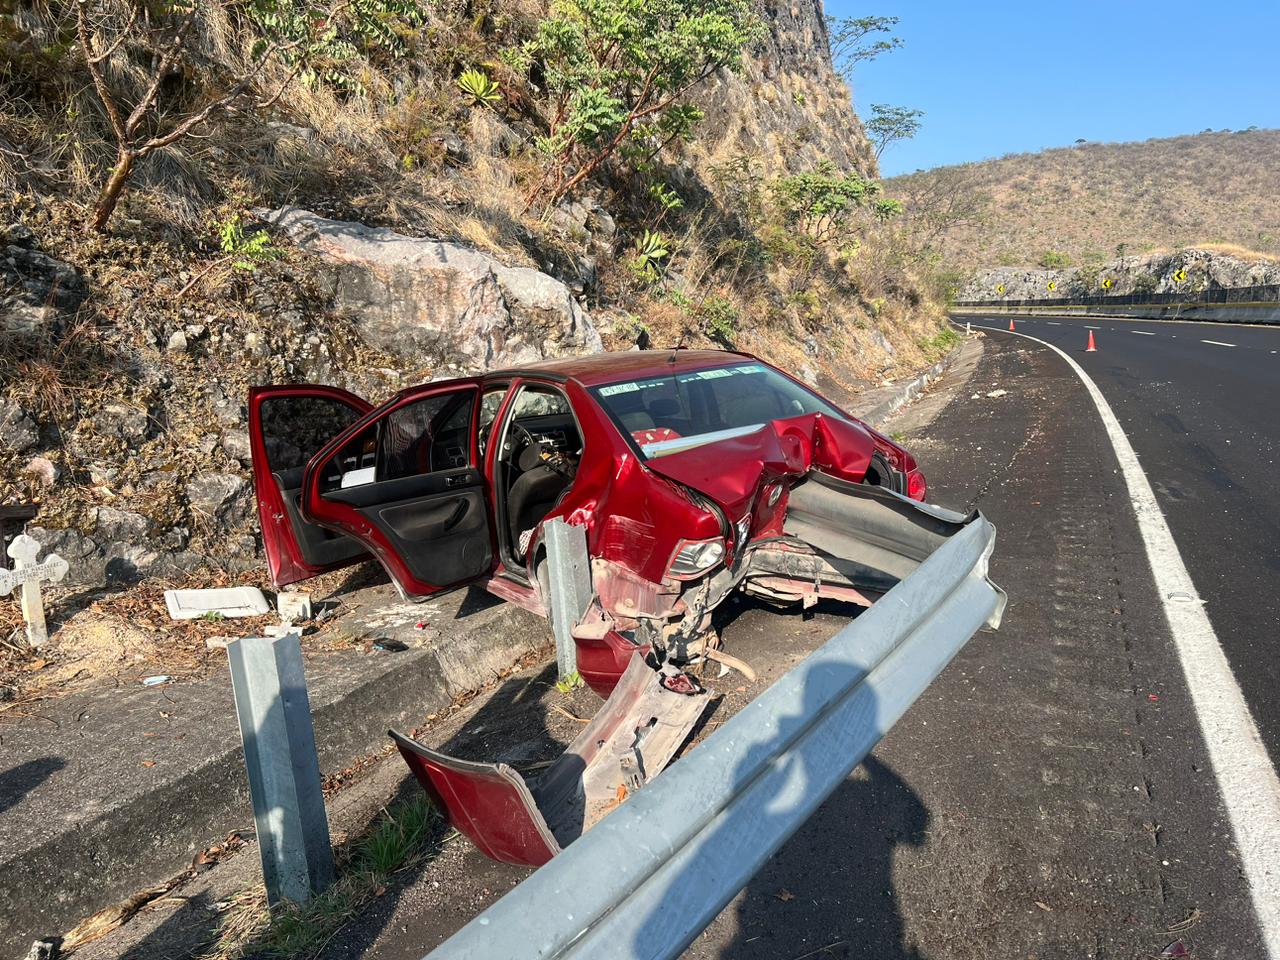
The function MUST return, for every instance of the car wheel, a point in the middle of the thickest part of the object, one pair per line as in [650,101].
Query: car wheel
[880,474]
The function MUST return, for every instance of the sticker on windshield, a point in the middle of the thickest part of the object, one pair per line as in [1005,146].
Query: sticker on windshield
[617,388]
[715,374]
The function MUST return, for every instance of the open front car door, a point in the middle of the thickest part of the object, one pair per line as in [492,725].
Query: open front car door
[287,426]
[404,482]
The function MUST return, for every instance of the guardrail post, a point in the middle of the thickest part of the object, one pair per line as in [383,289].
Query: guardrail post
[569,582]
[284,771]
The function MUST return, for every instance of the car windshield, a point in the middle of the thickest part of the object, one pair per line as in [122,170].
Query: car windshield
[667,414]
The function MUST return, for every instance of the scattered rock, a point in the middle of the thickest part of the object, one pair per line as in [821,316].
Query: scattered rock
[112,524]
[122,422]
[455,148]
[256,345]
[177,342]
[235,444]
[18,431]
[43,471]
[36,291]
[219,496]
[85,559]
[43,950]
[18,235]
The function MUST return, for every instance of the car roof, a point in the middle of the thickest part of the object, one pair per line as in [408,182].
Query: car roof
[608,367]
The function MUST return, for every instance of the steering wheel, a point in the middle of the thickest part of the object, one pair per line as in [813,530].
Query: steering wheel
[530,439]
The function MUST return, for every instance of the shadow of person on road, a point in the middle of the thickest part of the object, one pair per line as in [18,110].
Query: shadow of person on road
[828,890]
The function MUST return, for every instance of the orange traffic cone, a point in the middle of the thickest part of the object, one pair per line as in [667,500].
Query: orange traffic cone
[1011,323]
[1091,348]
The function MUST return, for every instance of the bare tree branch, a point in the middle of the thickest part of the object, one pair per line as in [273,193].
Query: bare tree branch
[99,81]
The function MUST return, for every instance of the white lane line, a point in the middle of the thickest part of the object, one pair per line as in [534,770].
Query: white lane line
[1053,323]
[1248,782]
[1143,333]
[1218,343]
[1087,327]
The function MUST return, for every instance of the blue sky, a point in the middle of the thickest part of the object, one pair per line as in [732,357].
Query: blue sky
[996,78]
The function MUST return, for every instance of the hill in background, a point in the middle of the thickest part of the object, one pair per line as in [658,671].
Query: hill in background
[1089,203]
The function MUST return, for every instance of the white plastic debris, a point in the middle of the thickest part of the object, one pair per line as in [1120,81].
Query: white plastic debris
[225,601]
[997,393]
[293,606]
[156,681]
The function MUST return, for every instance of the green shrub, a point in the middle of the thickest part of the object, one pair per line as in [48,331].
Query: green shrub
[821,202]
[651,252]
[246,250]
[719,319]
[1054,260]
[616,72]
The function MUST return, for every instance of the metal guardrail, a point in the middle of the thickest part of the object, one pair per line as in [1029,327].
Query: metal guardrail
[647,879]
[1263,293]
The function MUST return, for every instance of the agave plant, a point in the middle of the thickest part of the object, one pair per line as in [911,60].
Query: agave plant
[650,251]
[479,87]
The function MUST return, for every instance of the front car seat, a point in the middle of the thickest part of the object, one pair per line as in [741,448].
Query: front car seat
[533,495]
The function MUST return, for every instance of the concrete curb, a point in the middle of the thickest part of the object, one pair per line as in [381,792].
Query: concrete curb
[109,847]
[882,408]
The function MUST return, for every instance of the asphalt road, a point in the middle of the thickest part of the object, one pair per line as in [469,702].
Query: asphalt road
[1200,403]
[1048,797]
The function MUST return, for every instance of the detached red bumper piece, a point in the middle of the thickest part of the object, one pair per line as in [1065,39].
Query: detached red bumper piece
[630,740]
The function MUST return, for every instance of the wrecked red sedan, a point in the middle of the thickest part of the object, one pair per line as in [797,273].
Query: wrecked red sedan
[693,474]
[676,463]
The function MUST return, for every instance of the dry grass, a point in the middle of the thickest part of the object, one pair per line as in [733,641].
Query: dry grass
[403,836]
[1206,190]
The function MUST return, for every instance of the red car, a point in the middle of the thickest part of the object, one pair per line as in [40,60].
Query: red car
[693,474]
[675,462]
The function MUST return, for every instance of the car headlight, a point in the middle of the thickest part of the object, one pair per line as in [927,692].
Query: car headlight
[694,557]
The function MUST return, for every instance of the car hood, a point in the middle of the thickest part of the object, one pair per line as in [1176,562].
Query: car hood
[734,470]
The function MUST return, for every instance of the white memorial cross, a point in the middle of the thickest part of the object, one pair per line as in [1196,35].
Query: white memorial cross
[28,574]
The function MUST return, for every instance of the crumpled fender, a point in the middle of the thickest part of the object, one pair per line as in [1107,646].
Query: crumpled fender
[732,471]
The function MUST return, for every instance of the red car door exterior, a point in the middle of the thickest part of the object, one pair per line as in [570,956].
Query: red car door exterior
[287,425]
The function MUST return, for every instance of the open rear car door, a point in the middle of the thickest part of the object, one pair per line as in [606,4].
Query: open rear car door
[287,426]
[404,482]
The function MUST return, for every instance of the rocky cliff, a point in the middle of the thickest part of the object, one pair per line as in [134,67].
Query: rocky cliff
[1186,271]
[788,106]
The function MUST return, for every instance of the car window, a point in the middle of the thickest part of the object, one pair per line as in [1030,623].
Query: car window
[538,401]
[664,415]
[294,428]
[427,435]
[490,404]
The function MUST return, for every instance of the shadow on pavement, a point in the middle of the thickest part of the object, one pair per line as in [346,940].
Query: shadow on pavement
[830,888]
[17,782]
[827,891]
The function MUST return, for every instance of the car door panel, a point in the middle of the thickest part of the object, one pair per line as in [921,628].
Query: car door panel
[287,424]
[431,529]
[320,547]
